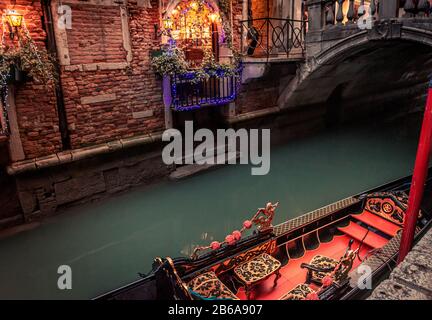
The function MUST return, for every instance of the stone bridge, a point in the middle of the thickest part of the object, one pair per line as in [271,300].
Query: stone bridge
[369,57]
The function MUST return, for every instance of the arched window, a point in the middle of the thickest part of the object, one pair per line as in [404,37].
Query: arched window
[195,25]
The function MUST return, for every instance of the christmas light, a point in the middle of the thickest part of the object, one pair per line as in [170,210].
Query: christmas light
[212,101]
[4,125]
[214,17]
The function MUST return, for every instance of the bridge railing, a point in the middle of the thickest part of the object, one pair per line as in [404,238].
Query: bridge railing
[323,13]
[272,37]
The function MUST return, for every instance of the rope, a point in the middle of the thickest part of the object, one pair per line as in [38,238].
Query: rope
[361,244]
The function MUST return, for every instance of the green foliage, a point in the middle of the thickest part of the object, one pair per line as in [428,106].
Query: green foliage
[28,58]
[213,68]
[170,62]
[225,12]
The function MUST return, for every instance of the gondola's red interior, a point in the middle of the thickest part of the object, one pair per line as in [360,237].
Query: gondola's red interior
[364,232]
[293,274]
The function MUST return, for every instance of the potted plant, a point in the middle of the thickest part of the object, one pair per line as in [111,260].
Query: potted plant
[24,61]
[170,61]
[10,71]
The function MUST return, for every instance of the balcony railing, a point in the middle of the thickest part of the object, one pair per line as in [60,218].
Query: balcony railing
[190,92]
[273,37]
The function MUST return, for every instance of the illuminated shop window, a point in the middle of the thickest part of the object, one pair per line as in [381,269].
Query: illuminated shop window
[195,25]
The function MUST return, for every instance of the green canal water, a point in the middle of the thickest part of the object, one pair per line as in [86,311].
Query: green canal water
[108,243]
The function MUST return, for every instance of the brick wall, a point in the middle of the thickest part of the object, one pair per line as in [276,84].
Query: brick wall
[131,101]
[258,94]
[35,104]
[263,92]
[135,104]
[237,13]
[260,9]
[96,35]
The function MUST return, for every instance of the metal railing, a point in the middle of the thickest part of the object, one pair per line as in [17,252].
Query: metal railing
[272,37]
[189,93]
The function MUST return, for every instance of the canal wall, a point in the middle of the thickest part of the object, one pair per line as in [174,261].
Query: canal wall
[47,185]
[412,279]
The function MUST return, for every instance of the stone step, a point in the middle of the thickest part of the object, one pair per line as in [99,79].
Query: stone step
[193,169]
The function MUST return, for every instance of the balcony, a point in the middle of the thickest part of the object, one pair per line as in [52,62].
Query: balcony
[273,38]
[190,92]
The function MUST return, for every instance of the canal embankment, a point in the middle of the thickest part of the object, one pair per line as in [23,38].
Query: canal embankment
[412,279]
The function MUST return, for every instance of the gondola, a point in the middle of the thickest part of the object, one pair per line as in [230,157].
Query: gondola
[337,252]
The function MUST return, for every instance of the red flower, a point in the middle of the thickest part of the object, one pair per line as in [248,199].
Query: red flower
[215,245]
[327,281]
[230,239]
[312,296]
[237,235]
[247,224]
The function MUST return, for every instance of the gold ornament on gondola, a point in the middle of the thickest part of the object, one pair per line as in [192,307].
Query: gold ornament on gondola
[262,220]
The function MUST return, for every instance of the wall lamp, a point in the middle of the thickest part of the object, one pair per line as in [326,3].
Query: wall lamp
[167,25]
[15,21]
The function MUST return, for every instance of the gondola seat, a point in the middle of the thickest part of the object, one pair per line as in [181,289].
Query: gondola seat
[256,270]
[324,264]
[300,292]
[209,286]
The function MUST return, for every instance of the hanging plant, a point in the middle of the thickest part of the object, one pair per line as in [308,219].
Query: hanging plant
[10,71]
[216,69]
[211,68]
[225,12]
[26,60]
[170,61]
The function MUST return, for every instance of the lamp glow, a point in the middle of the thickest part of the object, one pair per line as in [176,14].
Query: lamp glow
[213,17]
[15,21]
[14,18]
[168,23]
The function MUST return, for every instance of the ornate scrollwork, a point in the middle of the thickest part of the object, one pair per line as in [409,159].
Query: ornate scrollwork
[262,219]
[264,216]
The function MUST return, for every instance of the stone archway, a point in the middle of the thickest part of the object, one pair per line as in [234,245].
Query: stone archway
[172,4]
[196,26]
[356,41]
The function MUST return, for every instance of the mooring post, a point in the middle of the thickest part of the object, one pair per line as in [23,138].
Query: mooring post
[418,180]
